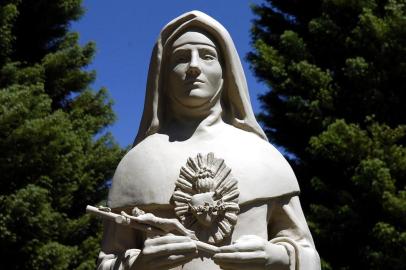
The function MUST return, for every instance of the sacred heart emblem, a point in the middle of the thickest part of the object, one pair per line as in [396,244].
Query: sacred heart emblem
[206,198]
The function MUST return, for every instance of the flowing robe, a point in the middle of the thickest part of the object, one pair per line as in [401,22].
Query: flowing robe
[269,202]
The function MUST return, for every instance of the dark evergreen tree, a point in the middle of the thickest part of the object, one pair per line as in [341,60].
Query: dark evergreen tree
[54,154]
[336,77]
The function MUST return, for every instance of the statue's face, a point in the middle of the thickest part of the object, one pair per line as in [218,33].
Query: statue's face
[195,74]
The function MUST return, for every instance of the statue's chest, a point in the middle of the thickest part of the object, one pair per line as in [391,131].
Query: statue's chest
[151,174]
[203,169]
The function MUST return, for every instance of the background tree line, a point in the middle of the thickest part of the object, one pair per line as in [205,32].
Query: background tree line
[336,77]
[51,163]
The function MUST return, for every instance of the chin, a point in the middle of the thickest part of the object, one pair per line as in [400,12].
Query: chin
[195,100]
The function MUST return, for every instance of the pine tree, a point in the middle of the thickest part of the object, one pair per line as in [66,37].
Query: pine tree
[55,156]
[335,72]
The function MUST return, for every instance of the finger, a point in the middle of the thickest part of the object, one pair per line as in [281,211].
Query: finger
[167,239]
[242,246]
[177,248]
[240,257]
[175,260]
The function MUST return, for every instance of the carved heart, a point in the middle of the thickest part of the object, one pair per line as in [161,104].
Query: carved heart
[205,198]
[202,208]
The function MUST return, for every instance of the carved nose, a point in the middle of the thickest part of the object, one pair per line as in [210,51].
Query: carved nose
[193,71]
[194,68]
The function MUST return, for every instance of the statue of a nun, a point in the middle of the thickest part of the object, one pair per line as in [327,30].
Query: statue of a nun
[201,158]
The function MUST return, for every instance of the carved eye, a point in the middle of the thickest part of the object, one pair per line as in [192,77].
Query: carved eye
[209,57]
[182,59]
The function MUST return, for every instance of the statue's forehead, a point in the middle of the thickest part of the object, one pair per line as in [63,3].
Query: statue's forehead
[193,37]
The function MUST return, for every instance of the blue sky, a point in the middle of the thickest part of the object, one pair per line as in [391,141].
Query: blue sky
[125,32]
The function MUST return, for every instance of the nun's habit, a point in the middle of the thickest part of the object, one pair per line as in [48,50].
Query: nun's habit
[137,183]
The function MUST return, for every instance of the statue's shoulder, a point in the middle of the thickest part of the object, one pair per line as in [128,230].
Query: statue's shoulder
[257,147]
[140,175]
[147,156]
[269,172]
[149,150]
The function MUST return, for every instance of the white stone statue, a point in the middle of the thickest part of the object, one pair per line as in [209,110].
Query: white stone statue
[216,192]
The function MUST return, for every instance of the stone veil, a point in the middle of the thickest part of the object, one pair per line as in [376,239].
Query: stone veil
[235,96]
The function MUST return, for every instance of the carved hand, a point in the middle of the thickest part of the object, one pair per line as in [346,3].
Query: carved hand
[165,252]
[254,253]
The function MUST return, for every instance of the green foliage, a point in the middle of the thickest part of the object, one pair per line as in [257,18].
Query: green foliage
[55,158]
[336,77]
